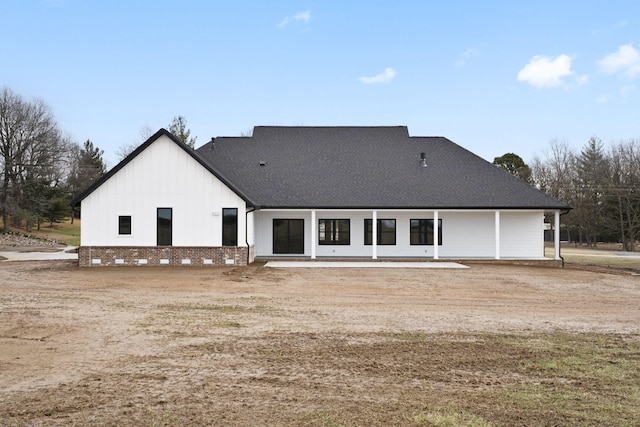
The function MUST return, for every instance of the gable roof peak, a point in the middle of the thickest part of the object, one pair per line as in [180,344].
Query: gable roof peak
[161,132]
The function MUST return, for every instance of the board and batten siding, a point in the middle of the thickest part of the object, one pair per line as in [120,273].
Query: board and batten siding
[521,234]
[161,176]
[465,234]
[468,235]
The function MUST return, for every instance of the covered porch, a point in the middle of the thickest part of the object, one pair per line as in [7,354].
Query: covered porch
[409,234]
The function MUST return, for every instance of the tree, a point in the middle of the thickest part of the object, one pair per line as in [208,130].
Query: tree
[514,164]
[247,133]
[592,175]
[31,154]
[125,149]
[624,194]
[178,128]
[87,166]
[553,174]
[92,159]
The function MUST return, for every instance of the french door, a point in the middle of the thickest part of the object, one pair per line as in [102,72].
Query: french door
[288,236]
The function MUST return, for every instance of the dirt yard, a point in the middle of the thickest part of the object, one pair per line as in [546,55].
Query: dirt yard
[260,346]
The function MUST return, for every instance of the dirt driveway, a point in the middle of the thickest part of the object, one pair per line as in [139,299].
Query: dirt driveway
[176,346]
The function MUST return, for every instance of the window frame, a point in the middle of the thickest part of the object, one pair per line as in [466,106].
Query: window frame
[229,227]
[427,234]
[334,231]
[159,225]
[368,232]
[292,224]
[123,230]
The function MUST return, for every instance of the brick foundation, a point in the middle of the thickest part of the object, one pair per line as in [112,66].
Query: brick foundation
[95,256]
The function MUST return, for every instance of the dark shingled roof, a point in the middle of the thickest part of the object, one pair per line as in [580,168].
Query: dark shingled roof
[364,167]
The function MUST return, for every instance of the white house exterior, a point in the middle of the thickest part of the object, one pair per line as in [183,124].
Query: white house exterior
[163,176]
[296,192]
[469,234]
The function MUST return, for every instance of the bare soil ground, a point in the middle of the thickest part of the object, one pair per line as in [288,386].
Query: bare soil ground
[491,345]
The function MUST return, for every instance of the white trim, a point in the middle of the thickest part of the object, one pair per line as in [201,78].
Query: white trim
[398,210]
[436,233]
[497,215]
[314,234]
[556,236]
[374,235]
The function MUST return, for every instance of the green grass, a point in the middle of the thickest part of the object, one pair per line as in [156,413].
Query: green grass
[587,378]
[64,232]
[604,261]
[446,417]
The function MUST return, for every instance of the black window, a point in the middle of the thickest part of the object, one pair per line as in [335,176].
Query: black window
[288,236]
[229,227]
[334,231]
[422,232]
[124,224]
[164,227]
[386,231]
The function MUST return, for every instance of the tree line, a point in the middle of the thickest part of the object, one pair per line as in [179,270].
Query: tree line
[41,168]
[601,184]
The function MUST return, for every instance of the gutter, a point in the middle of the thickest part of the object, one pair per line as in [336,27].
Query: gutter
[246,232]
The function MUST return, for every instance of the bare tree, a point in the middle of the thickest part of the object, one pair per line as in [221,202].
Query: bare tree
[624,194]
[31,153]
[125,149]
[554,174]
[247,133]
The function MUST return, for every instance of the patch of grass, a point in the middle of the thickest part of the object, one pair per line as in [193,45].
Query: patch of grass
[446,417]
[604,261]
[320,419]
[577,379]
[64,232]
[162,418]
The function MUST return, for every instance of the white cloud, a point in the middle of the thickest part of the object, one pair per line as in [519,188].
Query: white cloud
[544,71]
[298,17]
[626,60]
[466,55]
[384,77]
[603,99]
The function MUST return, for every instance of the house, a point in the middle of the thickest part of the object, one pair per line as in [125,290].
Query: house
[310,192]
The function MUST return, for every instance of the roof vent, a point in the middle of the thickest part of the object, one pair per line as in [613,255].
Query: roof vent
[262,163]
[423,160]
[213,143]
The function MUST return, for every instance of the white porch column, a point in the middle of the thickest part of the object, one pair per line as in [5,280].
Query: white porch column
[556,236]
[374,235]
[436,235]
[314,234]
[497,234]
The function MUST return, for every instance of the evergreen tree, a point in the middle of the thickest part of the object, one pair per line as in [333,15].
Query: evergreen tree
[178,128]
[592,175]
[514,164]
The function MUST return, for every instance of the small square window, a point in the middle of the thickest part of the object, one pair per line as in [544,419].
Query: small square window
[124,225]
[422,232]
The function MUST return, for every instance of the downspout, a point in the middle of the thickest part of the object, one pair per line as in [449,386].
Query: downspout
[560,246]
[246,232]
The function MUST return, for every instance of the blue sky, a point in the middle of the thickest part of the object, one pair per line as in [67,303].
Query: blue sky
[493,76]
